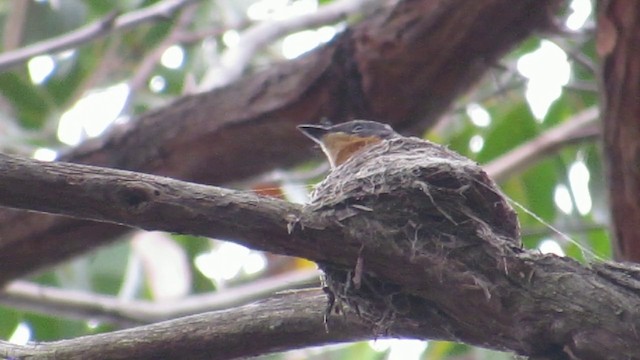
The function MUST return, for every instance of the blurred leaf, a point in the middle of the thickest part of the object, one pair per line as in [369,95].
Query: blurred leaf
[70,74]
[99,8]
[174,80]
[10,319]
[437,350]
[107,267]
[360,350]
[560,110]
[48,328]
[195,246]
[45,21]
[540,183]
[511,125]
[527,46]
[30,104]
[600,242]
[46,278]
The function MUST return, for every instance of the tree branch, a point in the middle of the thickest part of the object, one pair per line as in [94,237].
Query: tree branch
[100,28]
[83,305]
[580,126]
[139,200]
[287,321]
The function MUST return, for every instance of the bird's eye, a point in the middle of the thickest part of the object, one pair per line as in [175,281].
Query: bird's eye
[357,128]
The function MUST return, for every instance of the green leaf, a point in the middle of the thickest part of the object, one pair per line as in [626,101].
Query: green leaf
[70,74]
[29,102]
[48,328]
[509,128]
[444,349]
[10,319]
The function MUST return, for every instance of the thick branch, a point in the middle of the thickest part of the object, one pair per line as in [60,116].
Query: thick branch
[140,200]
[401,65]
[284,322]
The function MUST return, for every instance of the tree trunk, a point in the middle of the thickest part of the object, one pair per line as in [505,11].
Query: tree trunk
[618,43]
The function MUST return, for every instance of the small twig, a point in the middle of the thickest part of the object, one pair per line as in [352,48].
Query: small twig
[82,305]
[100,28]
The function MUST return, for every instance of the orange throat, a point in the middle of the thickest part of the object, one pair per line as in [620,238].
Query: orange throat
[340,147]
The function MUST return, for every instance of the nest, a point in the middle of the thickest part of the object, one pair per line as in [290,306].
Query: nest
[418,199]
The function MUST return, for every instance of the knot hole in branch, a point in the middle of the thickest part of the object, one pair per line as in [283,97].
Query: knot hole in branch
[134,197]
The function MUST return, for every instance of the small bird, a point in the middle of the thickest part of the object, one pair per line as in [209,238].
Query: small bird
[340,142]
[409,196]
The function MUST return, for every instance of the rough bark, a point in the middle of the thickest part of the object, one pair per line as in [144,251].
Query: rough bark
[619,46]
[404,65]
[444,265]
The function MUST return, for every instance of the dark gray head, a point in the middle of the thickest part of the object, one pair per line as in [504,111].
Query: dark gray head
[360,128]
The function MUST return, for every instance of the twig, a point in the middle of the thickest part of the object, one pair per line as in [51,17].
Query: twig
[287,321]
[83,305]
[579,127]
[100,28]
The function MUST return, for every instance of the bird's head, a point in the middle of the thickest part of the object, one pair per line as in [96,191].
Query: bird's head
[340,142]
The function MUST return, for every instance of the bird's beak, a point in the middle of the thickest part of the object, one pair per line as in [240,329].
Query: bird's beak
[314,132]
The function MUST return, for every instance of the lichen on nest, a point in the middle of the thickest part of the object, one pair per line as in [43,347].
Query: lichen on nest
[425,200]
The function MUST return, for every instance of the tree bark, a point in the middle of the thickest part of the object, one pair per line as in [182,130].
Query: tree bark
[469,282]
[403,65]
[618,43]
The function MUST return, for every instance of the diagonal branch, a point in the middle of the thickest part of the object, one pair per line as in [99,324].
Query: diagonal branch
[286,321]
[100,28]
[581,126]
[144,201]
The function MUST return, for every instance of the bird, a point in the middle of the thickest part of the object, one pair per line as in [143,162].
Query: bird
[406,195]
[342,141]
